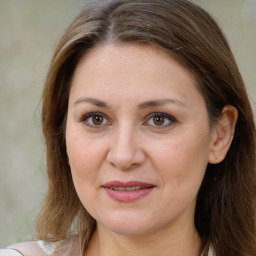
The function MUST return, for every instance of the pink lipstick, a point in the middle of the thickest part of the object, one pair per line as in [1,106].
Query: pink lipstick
[127,191]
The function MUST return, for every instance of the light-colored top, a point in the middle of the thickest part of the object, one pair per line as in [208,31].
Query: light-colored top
[38,248]
[68,247]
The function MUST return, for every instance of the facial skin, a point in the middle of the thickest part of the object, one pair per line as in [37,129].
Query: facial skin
[135,114]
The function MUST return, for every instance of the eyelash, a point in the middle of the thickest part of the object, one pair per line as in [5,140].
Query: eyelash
[84,119]
[170,119]
[165,118]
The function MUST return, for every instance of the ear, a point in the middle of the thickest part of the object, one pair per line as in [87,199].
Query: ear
[222,134]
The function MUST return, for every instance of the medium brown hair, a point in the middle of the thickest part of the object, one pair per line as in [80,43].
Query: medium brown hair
[225,210]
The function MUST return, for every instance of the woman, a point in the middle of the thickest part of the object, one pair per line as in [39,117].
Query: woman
[150,137]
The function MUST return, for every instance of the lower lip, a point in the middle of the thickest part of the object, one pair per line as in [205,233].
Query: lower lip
[128,196]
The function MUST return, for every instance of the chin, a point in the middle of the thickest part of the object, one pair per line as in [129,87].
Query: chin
[129,230]
[129,225]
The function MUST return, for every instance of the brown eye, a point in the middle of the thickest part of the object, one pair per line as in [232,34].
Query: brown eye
[158,120]
[97,120]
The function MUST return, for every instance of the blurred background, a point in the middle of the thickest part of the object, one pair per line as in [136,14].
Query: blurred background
[29,32]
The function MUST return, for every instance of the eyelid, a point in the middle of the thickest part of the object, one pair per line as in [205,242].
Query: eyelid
[84,118]
[160,114]
[170,118]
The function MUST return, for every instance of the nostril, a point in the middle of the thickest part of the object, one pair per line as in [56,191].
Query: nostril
[124,159]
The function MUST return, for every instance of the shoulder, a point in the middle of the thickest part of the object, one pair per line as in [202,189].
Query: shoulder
[32,248]
[209,254]
[9,252]
[41,248]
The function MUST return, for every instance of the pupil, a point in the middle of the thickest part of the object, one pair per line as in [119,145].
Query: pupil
[97,120]
[158,120]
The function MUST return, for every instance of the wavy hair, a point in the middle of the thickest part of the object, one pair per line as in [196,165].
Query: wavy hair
[225,209]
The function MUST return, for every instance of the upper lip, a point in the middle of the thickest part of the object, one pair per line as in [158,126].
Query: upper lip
[128,184]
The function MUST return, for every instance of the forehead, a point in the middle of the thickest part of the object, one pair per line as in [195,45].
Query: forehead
[147,56]
[137,69]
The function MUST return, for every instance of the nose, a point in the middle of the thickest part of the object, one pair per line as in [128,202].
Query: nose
[125,151]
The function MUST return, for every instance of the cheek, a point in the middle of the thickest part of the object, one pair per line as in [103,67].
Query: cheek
[84,158]
[85,155]
[182,161]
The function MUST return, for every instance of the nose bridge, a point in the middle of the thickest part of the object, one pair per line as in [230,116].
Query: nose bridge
[125,151]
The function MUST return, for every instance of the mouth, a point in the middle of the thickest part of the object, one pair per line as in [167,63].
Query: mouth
[127,188]
[127,191]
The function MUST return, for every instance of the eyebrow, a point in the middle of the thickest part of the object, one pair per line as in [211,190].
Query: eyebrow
[92,101]
[147,104]
[160,102]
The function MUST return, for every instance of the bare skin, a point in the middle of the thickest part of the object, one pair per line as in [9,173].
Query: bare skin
[135,116]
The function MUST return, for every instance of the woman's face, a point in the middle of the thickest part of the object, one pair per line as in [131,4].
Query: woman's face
[138,139]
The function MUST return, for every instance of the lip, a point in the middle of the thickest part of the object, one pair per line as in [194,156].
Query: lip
[127,195]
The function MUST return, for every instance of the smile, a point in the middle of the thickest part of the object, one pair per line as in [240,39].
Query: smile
[127,191]
[126,188]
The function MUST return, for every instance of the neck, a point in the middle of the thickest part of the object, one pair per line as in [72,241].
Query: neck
[182,242]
